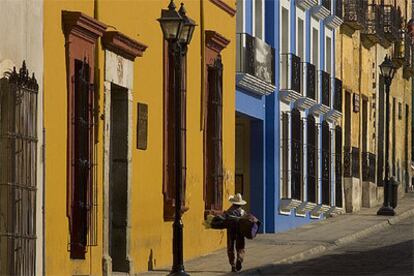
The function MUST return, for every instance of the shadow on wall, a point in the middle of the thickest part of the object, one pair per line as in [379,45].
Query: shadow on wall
[370,262]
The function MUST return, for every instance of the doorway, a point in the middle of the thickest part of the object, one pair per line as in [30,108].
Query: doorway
[249,175]
[118,178]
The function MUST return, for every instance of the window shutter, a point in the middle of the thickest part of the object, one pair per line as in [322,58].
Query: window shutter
[285,158]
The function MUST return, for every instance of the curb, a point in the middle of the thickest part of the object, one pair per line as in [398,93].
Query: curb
[347,239]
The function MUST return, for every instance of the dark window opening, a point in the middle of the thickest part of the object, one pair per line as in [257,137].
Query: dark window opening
[296,155]
[169,139]
[312,159]
[326,161]
[285,154]
[213,137]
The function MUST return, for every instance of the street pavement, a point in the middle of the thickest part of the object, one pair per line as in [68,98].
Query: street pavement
[352,244]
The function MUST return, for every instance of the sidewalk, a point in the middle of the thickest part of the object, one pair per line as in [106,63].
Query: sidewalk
[300,243]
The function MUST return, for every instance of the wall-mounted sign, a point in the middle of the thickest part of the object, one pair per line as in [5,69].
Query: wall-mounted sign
[142,126]
[356,102]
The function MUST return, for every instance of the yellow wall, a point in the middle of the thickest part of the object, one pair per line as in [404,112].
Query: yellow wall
[358,66]
[149,232]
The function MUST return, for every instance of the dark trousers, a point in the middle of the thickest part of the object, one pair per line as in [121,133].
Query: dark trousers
[235,239]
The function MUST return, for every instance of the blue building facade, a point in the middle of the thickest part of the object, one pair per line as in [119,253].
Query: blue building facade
[288,111]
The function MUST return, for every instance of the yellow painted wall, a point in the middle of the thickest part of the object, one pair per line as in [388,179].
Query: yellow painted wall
[358,66]
[149,232]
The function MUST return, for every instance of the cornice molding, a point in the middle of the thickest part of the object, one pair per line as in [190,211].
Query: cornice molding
[123,45]
[222,5]
[216,41]
[82,25]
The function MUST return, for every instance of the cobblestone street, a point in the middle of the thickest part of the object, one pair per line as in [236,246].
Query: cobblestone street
[389,252]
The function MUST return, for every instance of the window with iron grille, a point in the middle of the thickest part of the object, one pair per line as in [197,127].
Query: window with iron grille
[285,154]
[312,159]
[326,161]
[296,155]
[170,122]
[18,155]
[81,157]
[213,137]
[338,167]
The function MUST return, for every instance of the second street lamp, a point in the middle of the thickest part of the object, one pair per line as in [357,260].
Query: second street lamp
[178,30]
[387,72]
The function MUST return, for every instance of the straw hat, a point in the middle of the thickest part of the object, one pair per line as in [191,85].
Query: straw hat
[237,199]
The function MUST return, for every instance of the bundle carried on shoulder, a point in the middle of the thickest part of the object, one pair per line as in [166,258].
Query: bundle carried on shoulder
[249,226]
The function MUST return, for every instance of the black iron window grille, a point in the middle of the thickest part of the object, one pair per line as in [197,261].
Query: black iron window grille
[347,161]
[18,185]
[368,166]
[310,80]
[290,73]
[82,189]
[326,87]
[326,163]
[312,159]
[338,167]
[355,162]
[355,13]
[296,155]
[338,95]
[285,154]
[214,134]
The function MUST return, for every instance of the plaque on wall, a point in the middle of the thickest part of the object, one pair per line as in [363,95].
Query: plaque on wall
[356,102]
[142,126]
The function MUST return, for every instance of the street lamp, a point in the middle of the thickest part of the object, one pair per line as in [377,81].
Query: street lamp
[178,30]
[387,71]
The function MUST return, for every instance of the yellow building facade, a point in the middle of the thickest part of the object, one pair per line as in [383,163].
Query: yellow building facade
[372,31]
[121,45]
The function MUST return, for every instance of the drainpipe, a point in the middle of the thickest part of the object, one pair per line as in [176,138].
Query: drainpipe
[202,54]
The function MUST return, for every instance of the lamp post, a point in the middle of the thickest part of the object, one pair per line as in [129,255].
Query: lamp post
[178,30]
[387,71]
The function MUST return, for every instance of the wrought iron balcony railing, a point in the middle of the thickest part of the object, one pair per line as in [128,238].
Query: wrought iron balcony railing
[290,73]
[355,13]
[392,22]
[325,81]
[309,80]
[368,166]
[255,63]
[337,102]
[374,29]
[401,49]
[351,162]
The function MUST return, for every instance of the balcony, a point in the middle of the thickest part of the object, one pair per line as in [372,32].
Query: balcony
[392,23]
[335,115]
[335,19]
[354,14]
[322,10]
[306,4]
[308,86]
[290,77]
[401,52]
[374,29]
[324,84]
[255,62]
